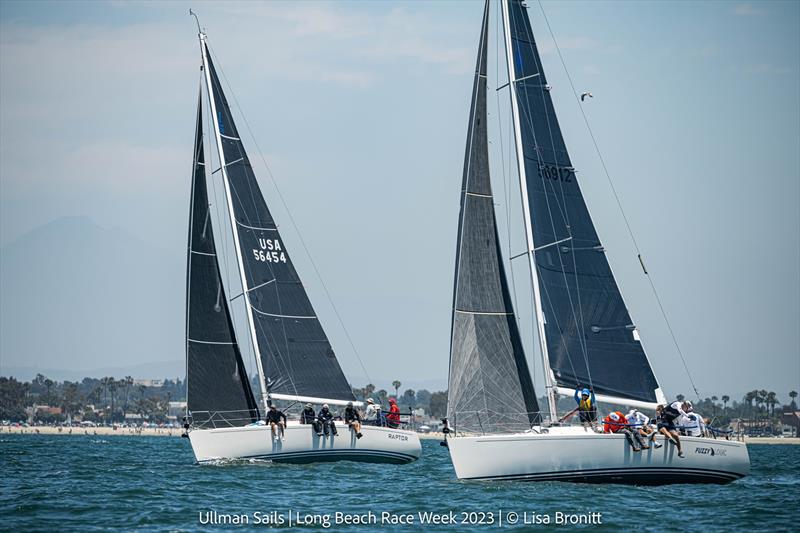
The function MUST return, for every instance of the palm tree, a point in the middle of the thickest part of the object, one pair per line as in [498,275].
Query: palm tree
[396,384]
[105,382]
[112,389]
[48,383]
[725,400]
[680,397]
[382,394]
[368,390]
[128,384]
[749,397]
[714,404]
[771,400]
[762,394]
[793,395]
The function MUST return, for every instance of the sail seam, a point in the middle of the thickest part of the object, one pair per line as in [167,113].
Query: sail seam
[229,137]
[479,195]
[203,253]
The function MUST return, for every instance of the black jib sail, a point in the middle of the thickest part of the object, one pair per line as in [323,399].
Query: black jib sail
[490,386]
[590,336]
[295,352]
[217,380]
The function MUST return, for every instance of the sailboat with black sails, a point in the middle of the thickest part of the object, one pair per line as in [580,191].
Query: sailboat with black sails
[585,333]
[293,356]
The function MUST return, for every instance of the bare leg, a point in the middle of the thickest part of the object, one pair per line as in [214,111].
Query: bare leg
[677,442]
[667,435]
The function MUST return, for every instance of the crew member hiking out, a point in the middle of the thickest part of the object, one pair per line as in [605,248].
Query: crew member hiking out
[325,419]
[353,419]
[617,423]
[666,416]
[308,416]
[276,420]
[640,423]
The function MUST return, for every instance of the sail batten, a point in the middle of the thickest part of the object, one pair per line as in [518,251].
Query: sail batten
[216,375]
[588,334]
[490,387]
[295,353]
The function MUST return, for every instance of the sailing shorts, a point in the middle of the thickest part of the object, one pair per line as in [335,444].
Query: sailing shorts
[668,425]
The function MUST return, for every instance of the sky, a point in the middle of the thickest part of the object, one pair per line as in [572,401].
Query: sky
[360,110]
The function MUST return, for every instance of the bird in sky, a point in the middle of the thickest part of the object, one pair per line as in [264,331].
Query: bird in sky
[584,95]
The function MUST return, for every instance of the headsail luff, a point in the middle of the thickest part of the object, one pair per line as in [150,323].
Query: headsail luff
[216,375]
[296,354]
[490,387]
[589,332]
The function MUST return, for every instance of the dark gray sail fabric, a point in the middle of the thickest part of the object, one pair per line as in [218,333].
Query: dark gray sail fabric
[589,331]
[295,352]
[490,388]
[217,379]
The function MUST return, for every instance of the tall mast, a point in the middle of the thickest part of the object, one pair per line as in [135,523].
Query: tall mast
[232,217]
[531,251]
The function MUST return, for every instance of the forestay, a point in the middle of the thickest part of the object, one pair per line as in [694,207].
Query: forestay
[490,387]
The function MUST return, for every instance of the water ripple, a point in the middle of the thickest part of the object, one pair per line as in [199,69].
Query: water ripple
[90,484]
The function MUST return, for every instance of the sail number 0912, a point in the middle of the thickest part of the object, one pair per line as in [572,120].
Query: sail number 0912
[555,173]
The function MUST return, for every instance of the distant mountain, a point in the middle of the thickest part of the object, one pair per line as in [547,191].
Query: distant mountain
[76,295]
[154,370]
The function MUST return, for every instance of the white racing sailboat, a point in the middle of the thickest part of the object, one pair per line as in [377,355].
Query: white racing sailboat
[585,334]
[294,359]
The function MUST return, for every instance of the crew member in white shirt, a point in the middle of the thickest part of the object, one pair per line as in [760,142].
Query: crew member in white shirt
[641,424]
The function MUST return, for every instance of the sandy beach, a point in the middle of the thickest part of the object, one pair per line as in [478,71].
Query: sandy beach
[175,432]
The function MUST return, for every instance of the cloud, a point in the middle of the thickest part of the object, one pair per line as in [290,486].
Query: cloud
[748,10]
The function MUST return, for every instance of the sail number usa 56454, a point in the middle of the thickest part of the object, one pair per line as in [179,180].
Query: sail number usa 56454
[269,251]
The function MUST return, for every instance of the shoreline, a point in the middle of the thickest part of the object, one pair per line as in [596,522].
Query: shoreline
[176,432]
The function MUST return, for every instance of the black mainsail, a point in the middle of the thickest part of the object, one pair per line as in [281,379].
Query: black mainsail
[216,375]
[295,352]
[590,337]
[490,387]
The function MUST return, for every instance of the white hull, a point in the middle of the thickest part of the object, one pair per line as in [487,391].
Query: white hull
[575,454]
[302,445]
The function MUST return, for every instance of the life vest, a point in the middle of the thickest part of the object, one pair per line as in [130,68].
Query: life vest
[585,405]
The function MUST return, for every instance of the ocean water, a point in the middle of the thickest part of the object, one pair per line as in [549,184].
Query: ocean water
[50,483]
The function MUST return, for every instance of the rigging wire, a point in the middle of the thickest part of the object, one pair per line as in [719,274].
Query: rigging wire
[619,202]
[227,240]
[506,187]
[564,214]
[529,121]
[294,224]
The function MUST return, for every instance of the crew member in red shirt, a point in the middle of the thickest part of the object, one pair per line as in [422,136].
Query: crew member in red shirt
[617,423]
[393,418]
